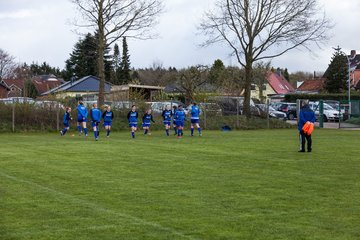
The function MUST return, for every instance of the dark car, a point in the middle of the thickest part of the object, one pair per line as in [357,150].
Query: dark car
[289,109]
[273,113]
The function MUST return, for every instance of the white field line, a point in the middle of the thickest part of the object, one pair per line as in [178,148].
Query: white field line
[98,208]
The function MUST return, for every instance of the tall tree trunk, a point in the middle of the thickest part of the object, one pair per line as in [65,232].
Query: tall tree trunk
[100,62]
[247,92]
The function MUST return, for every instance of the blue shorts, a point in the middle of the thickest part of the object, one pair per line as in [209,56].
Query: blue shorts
[195,121]
[167,123]
[133,125]
[94,124]
[80,120]
[146,125]
[66,124]
[179,123]
[174,122]
[106,124]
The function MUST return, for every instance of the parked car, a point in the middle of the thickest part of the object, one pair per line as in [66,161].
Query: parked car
[289,109]
[234,105]
[48,104]
[330,114]
[273,113]
[336,105]
[211,107]
[158,107]
[11,100]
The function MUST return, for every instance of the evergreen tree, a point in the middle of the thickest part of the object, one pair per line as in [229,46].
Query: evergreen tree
[83,59]
[337,73]
[44,69]
[116,78]
[286,75]
[30,89]
[125,63]
[216,72]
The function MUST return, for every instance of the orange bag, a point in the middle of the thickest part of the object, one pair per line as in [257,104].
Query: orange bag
[308,128]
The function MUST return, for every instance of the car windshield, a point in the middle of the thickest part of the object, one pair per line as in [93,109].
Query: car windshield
[328,107]
[271,109]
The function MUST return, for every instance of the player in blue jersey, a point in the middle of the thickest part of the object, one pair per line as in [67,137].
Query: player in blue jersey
[108,117]
[167,114]
[133,120]
[95,114]
[147,119]
[67,119]
[180,120]
[195,118]
[82,118]
[174,120]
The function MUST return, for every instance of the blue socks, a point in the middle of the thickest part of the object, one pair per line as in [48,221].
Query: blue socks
[175,130]
[86,131]
[107,133]
[192,131]
[95,134]
[64,131]
[146,131]
[132,134]
[199,129]
[167,132]
[79,129]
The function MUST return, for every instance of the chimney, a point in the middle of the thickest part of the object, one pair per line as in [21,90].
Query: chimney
[353,53]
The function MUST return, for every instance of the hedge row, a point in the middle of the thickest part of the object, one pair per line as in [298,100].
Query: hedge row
[317,97]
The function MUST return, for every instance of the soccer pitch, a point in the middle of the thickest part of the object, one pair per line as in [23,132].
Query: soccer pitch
[235,185]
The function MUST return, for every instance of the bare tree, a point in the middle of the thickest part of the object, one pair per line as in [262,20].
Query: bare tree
[114,19]
[191,79]
[264,29]
[7,65]
[260,72]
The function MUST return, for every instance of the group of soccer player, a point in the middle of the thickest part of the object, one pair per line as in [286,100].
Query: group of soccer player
[175,117]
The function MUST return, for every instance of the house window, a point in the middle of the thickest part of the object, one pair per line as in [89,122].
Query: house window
[253,87]
[264,87]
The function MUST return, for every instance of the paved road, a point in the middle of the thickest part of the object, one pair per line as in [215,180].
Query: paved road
[332,125]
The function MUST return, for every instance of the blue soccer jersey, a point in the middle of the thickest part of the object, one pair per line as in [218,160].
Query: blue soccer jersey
[108,116]
[180,115]
[147,118]
[95,115]
[167,114]
[195,112]
[133,117]
[67,119]
[82,112]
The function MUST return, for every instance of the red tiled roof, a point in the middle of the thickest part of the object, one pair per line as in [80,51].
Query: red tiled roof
[44,85]
[17,82]
[312,85]
[279,83]
[355,77]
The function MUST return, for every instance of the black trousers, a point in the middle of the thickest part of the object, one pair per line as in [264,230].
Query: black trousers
[307,138]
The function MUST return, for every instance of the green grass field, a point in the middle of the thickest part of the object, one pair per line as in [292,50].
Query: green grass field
[236,185]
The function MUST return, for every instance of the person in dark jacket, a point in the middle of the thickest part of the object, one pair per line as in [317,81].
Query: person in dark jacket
[305,115]
[67,119]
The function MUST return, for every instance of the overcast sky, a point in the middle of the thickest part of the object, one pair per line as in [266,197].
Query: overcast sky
[40,30]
